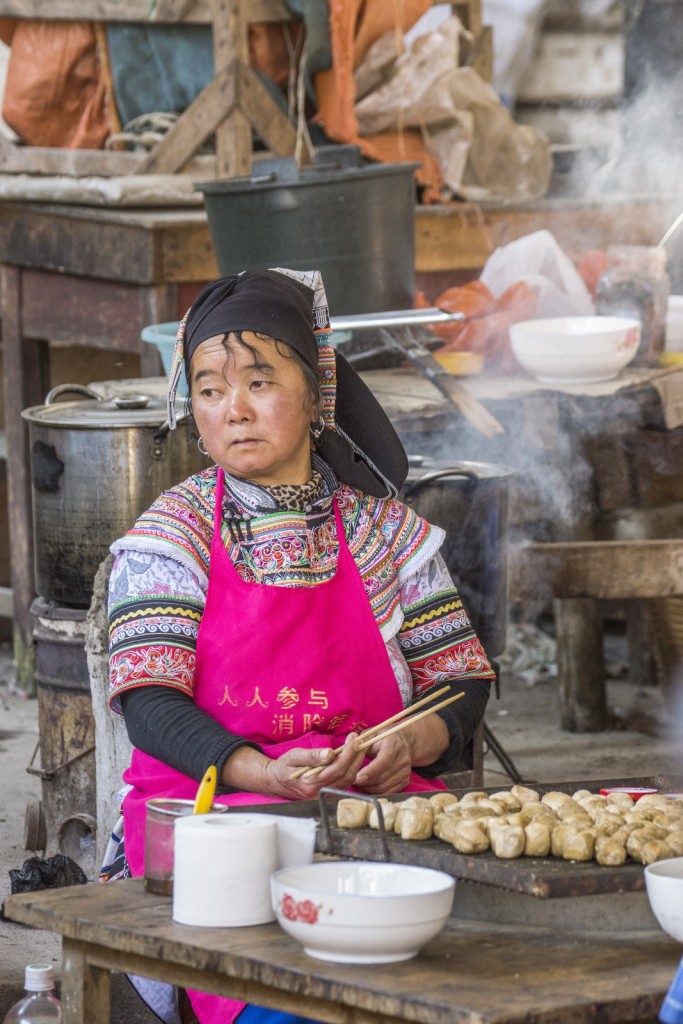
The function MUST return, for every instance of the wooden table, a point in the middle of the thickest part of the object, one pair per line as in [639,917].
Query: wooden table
[473,973]
[95,275]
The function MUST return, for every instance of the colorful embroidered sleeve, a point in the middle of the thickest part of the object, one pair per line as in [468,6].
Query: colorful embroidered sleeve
[155,606]
[437,638]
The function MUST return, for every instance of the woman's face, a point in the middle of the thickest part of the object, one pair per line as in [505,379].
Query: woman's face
[253,409]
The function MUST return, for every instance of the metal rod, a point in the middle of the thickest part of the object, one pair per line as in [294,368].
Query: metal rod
[393,318]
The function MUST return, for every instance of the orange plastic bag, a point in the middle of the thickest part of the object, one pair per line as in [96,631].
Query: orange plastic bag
[486,331]
[591,267]
[473,300]
[55,93]
[354,26]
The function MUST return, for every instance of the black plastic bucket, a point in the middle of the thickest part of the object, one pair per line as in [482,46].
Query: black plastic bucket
[469,500]
[356,225]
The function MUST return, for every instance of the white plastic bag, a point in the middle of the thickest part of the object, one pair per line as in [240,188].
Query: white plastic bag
[538,260]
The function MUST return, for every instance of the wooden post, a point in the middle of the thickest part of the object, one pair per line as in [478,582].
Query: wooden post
[16,352]
[85,988]
[580,668]
[230,49]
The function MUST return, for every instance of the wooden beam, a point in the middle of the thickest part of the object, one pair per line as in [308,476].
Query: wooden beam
[6,603]
[580,666]
[231,50]
[193,127]
[604,570]
[146,11]
[268,120]
[43,160]
[451,237]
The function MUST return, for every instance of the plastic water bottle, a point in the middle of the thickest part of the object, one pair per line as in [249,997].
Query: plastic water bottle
[40,1004]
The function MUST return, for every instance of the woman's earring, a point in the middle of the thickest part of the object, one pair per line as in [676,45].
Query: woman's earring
[202,446]
[317,428]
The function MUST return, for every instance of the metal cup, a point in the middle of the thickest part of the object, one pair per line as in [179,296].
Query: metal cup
[161,817]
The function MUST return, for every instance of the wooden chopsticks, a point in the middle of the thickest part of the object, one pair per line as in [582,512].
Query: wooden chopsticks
[379,731]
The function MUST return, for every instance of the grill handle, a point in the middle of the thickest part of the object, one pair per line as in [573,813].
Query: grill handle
[327,842]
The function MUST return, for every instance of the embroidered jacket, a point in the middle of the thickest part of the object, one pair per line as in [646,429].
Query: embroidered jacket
[160,577]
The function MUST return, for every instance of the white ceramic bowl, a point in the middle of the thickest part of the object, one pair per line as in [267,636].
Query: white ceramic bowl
[362,912]
[575,349]
[664,884]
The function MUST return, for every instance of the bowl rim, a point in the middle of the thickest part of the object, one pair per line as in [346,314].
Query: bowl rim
[608,322]
[652,872]
[447,882]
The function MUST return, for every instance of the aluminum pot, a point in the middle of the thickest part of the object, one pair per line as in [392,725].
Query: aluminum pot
[96,465]
[469,500]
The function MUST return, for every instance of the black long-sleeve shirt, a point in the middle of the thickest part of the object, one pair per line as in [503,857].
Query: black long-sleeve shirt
[167,724]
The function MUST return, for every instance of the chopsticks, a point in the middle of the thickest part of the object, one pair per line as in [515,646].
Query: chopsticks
[380,731]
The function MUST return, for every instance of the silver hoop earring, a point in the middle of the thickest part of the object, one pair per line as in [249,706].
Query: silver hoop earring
[202,446]
[317,428]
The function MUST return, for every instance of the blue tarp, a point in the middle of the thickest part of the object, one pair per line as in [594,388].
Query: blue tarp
[163,68]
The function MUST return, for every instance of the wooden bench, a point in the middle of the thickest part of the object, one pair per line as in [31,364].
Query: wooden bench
[577,576]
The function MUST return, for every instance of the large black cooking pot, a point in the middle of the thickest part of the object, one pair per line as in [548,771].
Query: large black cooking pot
[469,500]
[96,465]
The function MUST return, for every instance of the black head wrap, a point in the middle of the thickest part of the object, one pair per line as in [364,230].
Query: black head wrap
[358,442]
[262,301]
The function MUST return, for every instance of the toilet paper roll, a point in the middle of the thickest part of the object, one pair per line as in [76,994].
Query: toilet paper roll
[222,869]
[295,839]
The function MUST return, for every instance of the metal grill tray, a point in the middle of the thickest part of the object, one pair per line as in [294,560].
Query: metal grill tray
[544,877]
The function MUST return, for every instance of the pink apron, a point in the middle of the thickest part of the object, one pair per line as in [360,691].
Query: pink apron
[310,667]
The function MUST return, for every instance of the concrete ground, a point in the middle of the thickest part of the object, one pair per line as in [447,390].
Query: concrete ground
[525,721]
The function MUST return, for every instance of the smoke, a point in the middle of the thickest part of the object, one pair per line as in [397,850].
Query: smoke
[645,156]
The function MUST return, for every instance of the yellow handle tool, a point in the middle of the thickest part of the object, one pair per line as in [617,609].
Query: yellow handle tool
[206,791]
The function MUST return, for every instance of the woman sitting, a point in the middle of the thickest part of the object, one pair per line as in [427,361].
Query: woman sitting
[270,608]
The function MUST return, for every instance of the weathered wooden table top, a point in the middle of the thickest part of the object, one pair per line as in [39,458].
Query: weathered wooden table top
[473,973]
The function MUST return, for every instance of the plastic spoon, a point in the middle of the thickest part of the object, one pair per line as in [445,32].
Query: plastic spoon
[205,794]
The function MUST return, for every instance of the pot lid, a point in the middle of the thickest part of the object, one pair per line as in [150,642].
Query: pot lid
[425,466]
[125,410]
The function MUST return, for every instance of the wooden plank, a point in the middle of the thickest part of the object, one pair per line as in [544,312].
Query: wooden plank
[193,127]
[16,397]
[39,160]
[480,54]
[605,570]
[158,11]
[272,125]
[579,225]
[84,311]
[187,253]
[473,973]
[580,669]
[230,50]
[454,237]
[86,993]
[87,242]
[6,603]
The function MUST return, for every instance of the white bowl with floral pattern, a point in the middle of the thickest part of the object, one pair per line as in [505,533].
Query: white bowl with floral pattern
[362,912]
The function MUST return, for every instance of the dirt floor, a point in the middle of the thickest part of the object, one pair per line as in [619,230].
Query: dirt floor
[524,721]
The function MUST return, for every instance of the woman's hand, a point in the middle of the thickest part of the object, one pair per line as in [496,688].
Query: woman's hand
[389,768]
[392,758]
[252,771]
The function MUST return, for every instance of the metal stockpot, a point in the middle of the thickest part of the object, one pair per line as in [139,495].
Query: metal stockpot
[96,465]
[469,500]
